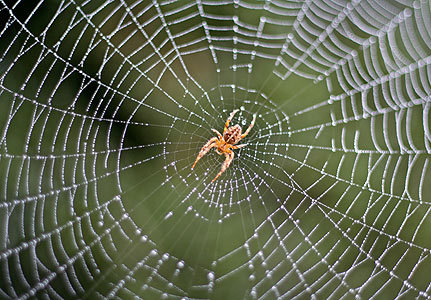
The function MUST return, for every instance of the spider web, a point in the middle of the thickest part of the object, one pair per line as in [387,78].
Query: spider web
[106,104]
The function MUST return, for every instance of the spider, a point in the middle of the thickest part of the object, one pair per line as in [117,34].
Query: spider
[225,142]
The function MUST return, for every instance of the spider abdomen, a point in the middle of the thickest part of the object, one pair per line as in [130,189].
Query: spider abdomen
[232,134]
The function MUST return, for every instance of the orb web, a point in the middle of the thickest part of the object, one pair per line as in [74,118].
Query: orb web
[105,106]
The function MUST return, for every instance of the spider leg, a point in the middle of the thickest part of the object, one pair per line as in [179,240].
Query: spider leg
[218,133]
[229,157]
[238,146]
[207,147]
[249,127]
[229,119]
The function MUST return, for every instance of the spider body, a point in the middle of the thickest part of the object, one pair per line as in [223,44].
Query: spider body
[224,143]
[233,134]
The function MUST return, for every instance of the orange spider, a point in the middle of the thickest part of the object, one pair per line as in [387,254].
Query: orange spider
[226,142]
